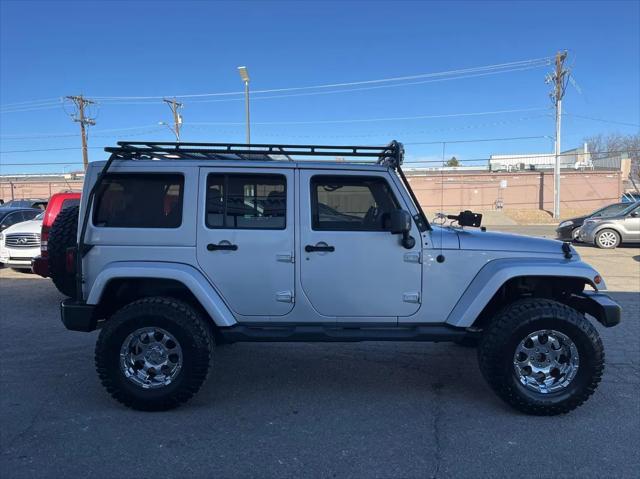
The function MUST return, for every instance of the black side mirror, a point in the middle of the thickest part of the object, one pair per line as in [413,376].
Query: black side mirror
[400,223]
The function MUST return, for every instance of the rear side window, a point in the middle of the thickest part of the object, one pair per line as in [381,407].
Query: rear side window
[240,201]
[139,201]
[69,203]
[351,203]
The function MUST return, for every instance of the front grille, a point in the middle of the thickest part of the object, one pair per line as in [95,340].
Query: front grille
[22,240]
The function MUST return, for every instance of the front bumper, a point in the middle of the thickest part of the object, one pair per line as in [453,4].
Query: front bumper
[16,263]
[17,258]
[598,305]
[587,234]
[77,316]
[565,233]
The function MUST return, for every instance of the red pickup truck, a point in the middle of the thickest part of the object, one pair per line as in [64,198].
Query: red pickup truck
[57,203]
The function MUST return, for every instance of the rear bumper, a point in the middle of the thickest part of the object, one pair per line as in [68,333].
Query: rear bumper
[40,266]
[78,316]
[598,305]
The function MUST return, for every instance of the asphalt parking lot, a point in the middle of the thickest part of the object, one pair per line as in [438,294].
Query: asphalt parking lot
[308,410]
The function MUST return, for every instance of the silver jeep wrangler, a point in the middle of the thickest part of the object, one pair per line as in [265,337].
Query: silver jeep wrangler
[182,247]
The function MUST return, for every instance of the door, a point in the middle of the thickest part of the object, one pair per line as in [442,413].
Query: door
[246,238]
[632,226]
[351,264]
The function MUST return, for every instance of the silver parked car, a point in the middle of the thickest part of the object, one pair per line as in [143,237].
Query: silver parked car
[611,232]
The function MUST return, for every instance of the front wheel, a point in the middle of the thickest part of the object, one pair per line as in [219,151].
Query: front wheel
[607,239]
[154,354]
[541,357]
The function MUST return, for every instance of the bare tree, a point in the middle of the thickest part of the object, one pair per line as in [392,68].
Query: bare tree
[613,145]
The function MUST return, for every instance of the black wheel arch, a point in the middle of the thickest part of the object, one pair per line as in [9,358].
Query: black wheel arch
[560,289]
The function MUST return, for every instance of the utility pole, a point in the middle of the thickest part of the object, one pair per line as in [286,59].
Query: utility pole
[80,103]
[177,118]
[559,86]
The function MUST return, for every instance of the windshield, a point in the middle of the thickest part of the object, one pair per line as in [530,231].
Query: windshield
[610,210]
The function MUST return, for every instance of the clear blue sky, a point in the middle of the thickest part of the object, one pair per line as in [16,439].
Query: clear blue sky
[51,49]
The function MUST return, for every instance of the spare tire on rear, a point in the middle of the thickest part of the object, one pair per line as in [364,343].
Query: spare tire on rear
[63,234]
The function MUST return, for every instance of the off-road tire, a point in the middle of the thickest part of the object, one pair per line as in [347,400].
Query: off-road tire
[63,234]
[598,240]
[182,321]
[512,325]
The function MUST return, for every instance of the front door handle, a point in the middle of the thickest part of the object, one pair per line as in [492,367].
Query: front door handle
[310,248]
[222,246]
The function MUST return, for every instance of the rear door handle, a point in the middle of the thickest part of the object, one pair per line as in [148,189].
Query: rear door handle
[225,247]
[310,248]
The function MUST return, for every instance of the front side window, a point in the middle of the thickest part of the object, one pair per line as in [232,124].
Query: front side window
[11,219]
[351,203]
[240,201]
[139,201]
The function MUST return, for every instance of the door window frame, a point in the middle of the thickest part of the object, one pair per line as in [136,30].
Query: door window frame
[226,176]
[314,201]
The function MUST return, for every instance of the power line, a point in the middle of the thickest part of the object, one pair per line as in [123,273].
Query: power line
[35,108]
[536,62]
[367,120]
[376,87]
[18,103]
[37,105]
[50,149]
[615,122]
[97,133]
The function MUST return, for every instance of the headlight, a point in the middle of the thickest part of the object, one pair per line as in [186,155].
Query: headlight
[565,223]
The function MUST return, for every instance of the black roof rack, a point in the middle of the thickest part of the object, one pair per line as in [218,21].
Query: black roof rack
[390,155]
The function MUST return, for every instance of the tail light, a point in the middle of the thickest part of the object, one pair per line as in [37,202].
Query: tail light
[70,259]
[44,242]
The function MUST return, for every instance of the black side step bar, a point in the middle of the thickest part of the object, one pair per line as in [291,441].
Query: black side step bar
[342,333]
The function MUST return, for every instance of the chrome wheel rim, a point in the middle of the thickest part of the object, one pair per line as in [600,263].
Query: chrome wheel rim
[607,239]
[151,358]
[575,233]
[546,361]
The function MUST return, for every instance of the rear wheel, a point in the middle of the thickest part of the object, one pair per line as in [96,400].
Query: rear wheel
[63,234]
[541,357]
[607,239]
[154,354]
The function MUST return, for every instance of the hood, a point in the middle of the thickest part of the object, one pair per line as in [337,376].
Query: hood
[578,220]
[492,241]
[31,226]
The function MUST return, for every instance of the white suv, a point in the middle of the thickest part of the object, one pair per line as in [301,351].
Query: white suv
[20,243]
[181,247]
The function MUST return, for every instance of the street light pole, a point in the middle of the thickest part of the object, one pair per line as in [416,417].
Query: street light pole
[244,74]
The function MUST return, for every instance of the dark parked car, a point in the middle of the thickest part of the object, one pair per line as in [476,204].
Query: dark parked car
[568,230]
[39,203]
